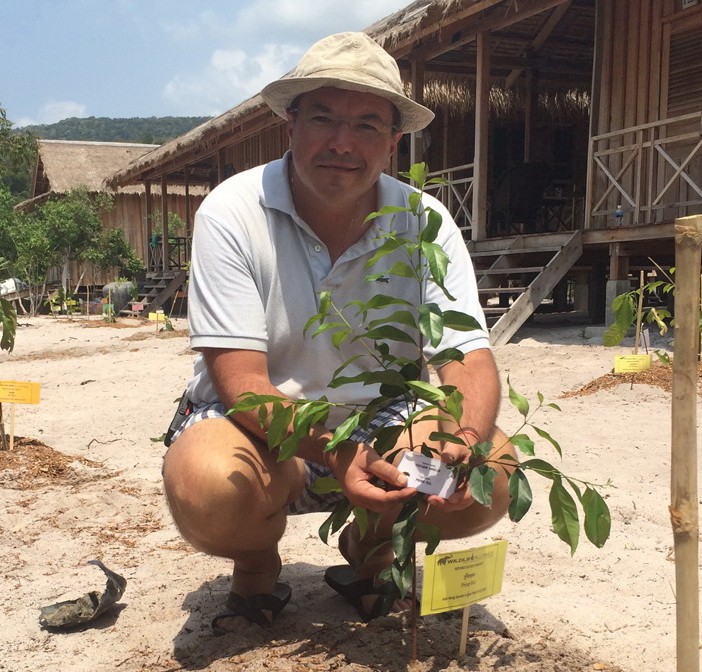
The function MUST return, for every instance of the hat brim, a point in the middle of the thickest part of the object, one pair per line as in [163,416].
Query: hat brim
[278,95]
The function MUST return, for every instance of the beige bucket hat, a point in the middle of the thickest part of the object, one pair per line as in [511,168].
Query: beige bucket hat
[350,61]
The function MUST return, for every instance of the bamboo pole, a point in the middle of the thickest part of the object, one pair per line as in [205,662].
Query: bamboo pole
[683,508]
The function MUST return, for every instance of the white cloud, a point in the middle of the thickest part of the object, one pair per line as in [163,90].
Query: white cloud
[257,44]
[53,111]
[229,78]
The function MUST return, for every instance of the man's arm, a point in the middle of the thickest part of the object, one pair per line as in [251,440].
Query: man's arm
[234,372]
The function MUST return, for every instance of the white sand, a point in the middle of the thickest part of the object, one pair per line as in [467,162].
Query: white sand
[107,391]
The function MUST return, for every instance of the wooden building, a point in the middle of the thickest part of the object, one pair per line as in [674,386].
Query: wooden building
[570,132]
[65,165]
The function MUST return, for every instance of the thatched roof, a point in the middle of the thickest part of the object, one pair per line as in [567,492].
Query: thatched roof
[63,165]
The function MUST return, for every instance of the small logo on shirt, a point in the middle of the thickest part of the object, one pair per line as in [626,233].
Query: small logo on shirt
[383,278]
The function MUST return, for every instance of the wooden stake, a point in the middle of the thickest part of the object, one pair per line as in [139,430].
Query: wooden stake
[639,314]
[683,508]
[464,632]
[12,426]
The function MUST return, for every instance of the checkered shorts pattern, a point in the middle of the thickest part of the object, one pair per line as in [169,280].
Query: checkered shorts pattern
[395,413]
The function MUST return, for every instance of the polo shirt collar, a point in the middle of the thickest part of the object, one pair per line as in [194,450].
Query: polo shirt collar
[276,194]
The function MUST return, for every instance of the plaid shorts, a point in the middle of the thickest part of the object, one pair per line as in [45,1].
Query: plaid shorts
[395,413]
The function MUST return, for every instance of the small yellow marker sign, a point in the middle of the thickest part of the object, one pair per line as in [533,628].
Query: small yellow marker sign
[631,363]
[158,316]
[17,392]
[456,580]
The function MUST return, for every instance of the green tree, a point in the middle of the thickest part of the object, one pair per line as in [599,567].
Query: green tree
[18,152]
[73,226]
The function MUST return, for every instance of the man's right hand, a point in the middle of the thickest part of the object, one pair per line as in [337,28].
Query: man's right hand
[356,465]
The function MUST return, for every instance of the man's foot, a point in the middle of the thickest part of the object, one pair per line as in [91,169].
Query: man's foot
[255,598]
[356,583]
[258,609]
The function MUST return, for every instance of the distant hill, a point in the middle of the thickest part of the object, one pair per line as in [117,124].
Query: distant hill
[149,130]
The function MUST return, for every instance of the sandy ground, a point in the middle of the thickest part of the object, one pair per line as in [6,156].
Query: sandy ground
[107,391]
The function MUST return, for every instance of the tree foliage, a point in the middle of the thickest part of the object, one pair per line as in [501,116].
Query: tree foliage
[149,130]
[18,152]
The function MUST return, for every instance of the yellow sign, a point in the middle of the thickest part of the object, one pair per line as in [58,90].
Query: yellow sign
[631,363]
[456,580]
[158,316]
[16,392]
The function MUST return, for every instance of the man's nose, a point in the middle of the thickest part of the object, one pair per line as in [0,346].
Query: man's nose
[342,138]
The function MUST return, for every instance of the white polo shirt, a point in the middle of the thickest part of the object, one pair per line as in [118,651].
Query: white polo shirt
[257,271]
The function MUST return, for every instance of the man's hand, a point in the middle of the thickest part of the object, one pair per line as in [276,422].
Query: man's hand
[355,465]
[453,454]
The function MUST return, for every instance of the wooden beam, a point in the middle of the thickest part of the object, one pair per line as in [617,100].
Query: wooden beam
[417,83]
[482,120]
[147,224]
[618,262]
[463,32]
[165,264]
[541,37]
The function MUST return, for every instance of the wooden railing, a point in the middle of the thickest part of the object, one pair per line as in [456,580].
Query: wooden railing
[178,254]
[645,174]
[456,194]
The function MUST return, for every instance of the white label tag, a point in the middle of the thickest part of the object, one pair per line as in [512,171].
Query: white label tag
[428,475]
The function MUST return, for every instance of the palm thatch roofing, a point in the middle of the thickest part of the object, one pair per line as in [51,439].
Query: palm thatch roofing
[442,34]
[63,165]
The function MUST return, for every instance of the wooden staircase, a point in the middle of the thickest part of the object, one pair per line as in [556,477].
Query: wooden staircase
[520,271]
[159,287]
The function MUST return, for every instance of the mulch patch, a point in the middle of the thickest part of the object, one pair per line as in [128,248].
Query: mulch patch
[659,375]
[31,463]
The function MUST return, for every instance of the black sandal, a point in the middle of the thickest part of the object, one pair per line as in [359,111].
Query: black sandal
[252,608]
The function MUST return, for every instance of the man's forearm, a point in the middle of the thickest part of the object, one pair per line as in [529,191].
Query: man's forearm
[478,381]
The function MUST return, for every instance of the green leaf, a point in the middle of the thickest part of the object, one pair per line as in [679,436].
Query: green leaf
[564,515]
[8,321]
[541,467]
[403,531]
[415,202]
[385,210]
[336,519]
[418,174]
[445,356]
[431,534]
[386,438]
[344,430]
[482,449]
[249,401]
[426,391]
[360,515]
[519,401]
[431,230]
[388,247]
[454,405]
[325,485]
[446,437]
[545,435]
[431,323]
[378,301]
[388,333]
[340,336]
[524,443]
[386,377]
[279,426]
[598,521]
[438,262]
[458,321]
[520,494]
[399,317]
[481,481]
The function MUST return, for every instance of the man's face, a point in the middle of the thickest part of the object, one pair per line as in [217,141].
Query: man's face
[341,141]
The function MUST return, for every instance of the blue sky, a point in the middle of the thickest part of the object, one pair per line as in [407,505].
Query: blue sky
[143,58]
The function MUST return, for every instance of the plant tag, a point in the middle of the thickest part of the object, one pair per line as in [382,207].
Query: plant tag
[631,363]
[19,392]
[427,474]
[456,580]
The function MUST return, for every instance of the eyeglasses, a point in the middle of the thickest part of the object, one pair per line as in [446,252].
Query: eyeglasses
[325,123]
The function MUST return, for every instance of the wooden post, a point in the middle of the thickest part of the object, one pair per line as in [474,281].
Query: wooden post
[165,264]
[482,120]
[683,507]
[148,226]
[417,139]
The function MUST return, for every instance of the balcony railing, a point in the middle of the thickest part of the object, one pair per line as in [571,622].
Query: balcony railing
[646,174]
[178,253]
[456,194]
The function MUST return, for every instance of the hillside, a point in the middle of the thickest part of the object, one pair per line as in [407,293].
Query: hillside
[156,130]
